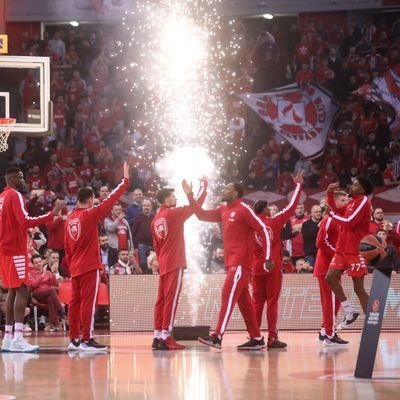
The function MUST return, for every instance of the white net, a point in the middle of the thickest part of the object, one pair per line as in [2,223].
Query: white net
[4,133]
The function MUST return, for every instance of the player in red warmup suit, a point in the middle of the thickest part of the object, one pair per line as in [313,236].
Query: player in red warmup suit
[14,222]
[81,242]
[167,229]
[239,226]
[354,222]
[326,244]
[267,284]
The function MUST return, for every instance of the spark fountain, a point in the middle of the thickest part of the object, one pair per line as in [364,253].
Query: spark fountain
[172,61]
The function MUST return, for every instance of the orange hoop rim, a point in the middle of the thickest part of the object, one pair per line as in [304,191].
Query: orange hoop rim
[7,121]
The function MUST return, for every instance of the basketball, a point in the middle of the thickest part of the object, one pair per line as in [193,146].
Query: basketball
[371,248]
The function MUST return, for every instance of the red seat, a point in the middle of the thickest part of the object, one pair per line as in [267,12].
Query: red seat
[65,293]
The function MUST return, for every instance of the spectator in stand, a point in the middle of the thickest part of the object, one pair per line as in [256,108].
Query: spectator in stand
[97,181]
[334,61]
[108,255]
[57,47]
[104,191]
[302,266]
[124,266]
[55,229]
[141,233]
[60,118]
[377,220]
[388,175]
[327,176]
[37,204]
[152,263]
[54,175]
[304,75]
[287,265]
[35,180]
[53,258]
[71,185]
[302,53]
[375,175]
[136,207]
[85,171]
[296,242]
[117,229]
[285,181]
[44,290]
[309,231]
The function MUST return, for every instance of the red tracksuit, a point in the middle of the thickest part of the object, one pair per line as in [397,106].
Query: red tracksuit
[14,221]
[353,220]
[83,257]
[239,225]
[167,229]
[326,243]
[267,285]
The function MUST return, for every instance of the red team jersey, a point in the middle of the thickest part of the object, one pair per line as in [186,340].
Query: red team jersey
[327,237]
[274,227]
[239,225]
[81,238]
[167,229]
[14,221]
[353,220]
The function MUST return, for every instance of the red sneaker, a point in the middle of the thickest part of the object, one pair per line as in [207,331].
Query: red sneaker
[171,344]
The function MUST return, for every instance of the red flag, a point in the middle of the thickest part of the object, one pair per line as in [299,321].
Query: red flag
[385,92]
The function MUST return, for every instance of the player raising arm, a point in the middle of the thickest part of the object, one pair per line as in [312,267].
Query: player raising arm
[81,242]
[354,220]
[239,225]
[267,284]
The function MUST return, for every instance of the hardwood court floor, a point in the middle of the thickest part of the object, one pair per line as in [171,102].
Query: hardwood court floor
[131,370]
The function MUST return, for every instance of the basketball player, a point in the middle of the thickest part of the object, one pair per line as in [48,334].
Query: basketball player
[169,243]
[82,251]
[326,243]
[267,284]
[353,220]
[14,222]
[239,225]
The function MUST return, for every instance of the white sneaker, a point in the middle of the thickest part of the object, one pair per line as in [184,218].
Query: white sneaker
[92,346]
[5,346]
[27,328]
[348,319]
[74,345]
[20,345]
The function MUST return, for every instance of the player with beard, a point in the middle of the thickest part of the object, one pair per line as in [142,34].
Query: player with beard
[239,226]
[267,284]
[354,220]
[14,222]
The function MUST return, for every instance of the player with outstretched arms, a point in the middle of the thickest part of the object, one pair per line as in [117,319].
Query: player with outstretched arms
[239,226]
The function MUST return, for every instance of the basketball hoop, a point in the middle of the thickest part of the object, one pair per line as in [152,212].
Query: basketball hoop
[6,125]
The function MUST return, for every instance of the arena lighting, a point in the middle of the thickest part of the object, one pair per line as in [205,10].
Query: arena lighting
[75,24]
[268,16]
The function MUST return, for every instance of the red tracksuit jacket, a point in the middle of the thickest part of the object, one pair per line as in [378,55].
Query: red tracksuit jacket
[274,227]
[353,220]
[328,235]
[14,221]
[167,228]
[81,237]
[239,225]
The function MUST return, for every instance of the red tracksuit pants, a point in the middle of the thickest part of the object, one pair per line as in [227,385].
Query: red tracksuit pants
[82,307]
[236,290]
[330,306]
[267,289]
[169,289]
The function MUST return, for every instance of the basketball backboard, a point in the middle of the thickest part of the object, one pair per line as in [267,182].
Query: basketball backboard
[25,94]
